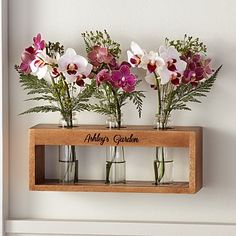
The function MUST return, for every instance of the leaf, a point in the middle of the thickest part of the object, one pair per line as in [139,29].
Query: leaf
[45,109]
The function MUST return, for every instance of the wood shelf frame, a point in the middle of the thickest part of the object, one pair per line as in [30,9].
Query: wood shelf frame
[98,135]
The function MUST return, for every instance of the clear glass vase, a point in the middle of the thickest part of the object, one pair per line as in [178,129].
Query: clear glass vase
[163,162]
[68,164]
[115,165]
[68,155]
[115,158]
[163,166]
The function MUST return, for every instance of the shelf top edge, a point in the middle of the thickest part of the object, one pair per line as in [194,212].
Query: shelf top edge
[105,128]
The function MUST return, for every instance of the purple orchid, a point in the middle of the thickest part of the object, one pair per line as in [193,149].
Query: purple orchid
[197,69]
[124,79]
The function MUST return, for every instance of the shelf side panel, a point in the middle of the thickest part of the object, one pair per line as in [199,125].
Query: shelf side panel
[195,161]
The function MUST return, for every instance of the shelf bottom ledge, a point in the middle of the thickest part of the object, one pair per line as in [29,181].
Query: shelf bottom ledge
[100,186]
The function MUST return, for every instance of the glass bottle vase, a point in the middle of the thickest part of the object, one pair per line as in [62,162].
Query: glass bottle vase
[68,164]
[163,166]
[163,162]
[115,158]
[68,155]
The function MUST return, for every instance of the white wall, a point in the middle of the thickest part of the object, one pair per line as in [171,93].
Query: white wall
[147,22]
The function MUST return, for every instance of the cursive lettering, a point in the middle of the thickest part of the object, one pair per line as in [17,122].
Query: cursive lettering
[96,138]
[120,139]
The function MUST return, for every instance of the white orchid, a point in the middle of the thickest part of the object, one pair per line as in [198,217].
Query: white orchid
[152,62]
[174,66]
[73,66]
[135,55]
[39,66]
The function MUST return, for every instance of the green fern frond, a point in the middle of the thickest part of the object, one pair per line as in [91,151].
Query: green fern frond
[45,109]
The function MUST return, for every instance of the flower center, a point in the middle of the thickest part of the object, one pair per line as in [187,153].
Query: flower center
[151,66]
[135,60]
[171,65]
[72,69]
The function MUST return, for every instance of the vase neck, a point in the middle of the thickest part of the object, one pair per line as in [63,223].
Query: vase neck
[114,122]
[162,121]
[68,121]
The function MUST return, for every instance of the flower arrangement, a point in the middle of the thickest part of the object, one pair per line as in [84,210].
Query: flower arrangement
[55,76]
[115,85]
[180,72]
[114,81]
[61,79]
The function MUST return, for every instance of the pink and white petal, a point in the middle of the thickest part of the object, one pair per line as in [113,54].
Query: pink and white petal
[70,78]
[81,62]
[87,81]
[63,63]
[160,61]
[150,78]
[70,52]
[88,69]
[162,49]
[173,53]
[130,55]
[33,67]
[180,66]
[165,75]
[42,72]
[136,49]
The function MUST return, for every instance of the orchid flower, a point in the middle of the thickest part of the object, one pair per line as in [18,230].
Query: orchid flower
[124,79]
[38,43]
[26,58]
[39,66]
[135,55]
[174,66]
[73,66]
[102,76]
[99,55]
[152,62]
[198,68]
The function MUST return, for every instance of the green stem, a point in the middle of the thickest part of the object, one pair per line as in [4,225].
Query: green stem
[118,108]
[58,96]
[70,121]
[159,101]
[118,116]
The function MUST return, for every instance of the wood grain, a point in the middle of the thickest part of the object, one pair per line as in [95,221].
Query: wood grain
[46,134]
[100,186]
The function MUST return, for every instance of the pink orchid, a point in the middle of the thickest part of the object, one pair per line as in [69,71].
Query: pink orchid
[103,76]
[26,59]
[99,55]
[38,43]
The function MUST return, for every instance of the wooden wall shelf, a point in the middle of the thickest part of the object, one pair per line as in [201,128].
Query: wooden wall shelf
[98,135]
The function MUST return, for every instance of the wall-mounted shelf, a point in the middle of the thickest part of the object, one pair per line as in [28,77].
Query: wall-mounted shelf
[88,135]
